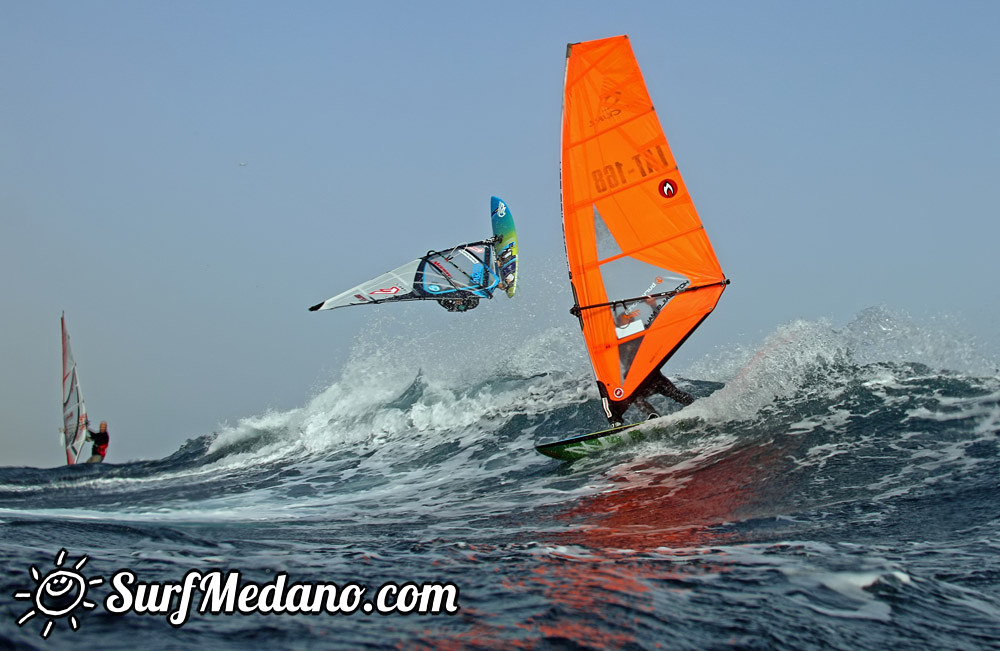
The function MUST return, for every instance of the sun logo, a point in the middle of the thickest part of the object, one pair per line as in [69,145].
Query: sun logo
[58,594]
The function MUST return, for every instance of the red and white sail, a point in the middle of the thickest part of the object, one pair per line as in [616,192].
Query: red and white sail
[74,430]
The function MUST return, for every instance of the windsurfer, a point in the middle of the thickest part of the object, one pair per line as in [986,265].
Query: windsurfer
[100,440]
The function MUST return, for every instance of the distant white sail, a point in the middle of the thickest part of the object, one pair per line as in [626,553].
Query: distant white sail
[74,431]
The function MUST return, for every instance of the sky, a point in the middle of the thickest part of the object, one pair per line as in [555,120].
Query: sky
[184,179]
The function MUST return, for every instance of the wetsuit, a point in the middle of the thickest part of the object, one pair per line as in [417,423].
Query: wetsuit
[663,386]
[655,383]
[100,447]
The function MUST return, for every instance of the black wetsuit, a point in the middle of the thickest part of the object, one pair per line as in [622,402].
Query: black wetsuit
[659,384]
[655,383]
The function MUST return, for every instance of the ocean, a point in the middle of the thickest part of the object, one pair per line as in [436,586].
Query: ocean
[831,488]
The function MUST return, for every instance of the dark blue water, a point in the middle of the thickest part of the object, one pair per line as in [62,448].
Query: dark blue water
[831,488]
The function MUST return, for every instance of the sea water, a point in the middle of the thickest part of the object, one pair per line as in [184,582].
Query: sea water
[830,488]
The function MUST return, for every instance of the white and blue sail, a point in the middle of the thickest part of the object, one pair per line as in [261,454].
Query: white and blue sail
[464,272]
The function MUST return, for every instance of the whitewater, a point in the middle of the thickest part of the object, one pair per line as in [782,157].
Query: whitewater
[831,487]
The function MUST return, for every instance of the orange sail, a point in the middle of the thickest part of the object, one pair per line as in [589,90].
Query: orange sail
[643,271]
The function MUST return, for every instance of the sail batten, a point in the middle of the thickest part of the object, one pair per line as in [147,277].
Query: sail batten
[629,254]
[671,294]
[584,141]
[643,270]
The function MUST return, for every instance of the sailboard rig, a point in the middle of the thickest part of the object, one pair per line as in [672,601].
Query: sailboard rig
[643,270]
[457,277]
[74,429]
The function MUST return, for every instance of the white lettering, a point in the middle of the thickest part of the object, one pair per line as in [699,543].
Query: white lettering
[218,601]
[248,598]
[227,594]
[350,597]
[407,600]
[297,600]
[180,616]
[271,597]
[329,590]
[154,598]
[436,598]
[120,600]
[382,602]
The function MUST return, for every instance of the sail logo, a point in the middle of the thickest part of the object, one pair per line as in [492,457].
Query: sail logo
[388,290]
[58,594]
[440,267]
[668,188]
[609,108]
[656,281]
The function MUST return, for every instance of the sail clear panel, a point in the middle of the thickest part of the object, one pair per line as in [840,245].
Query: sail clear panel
[462,271]
[634,288]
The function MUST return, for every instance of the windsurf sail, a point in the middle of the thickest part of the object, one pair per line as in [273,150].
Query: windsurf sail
[643,271]
[460,275]
[74,429]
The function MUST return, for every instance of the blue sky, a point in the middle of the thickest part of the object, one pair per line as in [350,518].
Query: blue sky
[842,155]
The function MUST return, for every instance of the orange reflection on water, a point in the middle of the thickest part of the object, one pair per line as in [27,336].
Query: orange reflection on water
[681,506]
[652,531]
[613,555]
